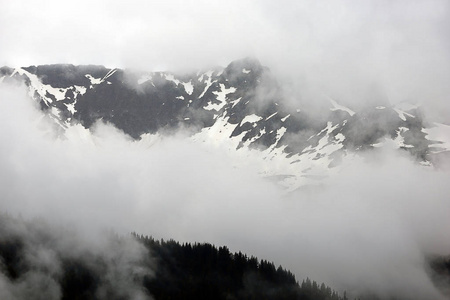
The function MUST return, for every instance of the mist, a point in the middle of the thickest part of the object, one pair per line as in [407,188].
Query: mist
[344,50]
[365,230]
[44,255]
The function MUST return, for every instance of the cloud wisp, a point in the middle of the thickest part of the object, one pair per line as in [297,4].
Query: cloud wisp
[348,51]
[366,230]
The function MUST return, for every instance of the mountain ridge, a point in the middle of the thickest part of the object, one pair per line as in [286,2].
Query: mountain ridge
[241,105]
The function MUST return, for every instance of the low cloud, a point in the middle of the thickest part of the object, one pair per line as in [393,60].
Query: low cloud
[42,256]
[366,229]
[342,49]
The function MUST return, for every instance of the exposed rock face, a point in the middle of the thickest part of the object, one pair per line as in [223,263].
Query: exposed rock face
[241,104]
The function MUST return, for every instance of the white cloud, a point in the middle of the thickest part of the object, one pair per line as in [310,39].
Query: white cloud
[368,228]
[340,48]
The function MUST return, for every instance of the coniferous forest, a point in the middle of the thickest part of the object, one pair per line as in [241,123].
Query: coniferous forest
[43,261]
[38,261]
[203,271]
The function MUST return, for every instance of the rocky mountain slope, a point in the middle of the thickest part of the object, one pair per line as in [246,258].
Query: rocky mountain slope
[241,107]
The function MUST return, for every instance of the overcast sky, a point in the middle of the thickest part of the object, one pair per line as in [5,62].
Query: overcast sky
[342,48]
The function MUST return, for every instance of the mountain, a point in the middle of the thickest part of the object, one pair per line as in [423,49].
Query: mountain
[241,106]
[244,110]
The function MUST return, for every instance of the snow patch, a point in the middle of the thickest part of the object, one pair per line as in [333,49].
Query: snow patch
[55,111]
[402,114]
[439,133]
[271,116]
[188,87]
[221,96]
[245,71]
[251,119]
[112,71]
[329,129]
[71,108]
[337,106]
[81,90]
[219,134]
[377,145]
[339,137]
[93,80]
[170,77]
[208,83]
[233,103]
[289,171]
[285,118]
[42,89]
[280,133]
[400,140]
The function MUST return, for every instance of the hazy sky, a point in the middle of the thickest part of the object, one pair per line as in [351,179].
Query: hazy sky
[342,48]
[383,222]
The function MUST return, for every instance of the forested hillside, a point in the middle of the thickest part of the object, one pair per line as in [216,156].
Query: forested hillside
[203,271]
[38,261]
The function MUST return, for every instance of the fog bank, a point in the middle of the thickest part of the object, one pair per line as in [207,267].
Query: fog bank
[366,229]
[352,52]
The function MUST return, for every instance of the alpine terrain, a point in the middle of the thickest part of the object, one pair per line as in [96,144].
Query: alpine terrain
[241,106]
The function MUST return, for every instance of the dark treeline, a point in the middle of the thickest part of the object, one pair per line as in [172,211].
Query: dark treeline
[440,272]
[39,261]
[203,271]
[42,261]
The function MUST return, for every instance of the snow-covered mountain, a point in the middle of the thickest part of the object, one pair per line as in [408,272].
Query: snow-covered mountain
[240,107]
